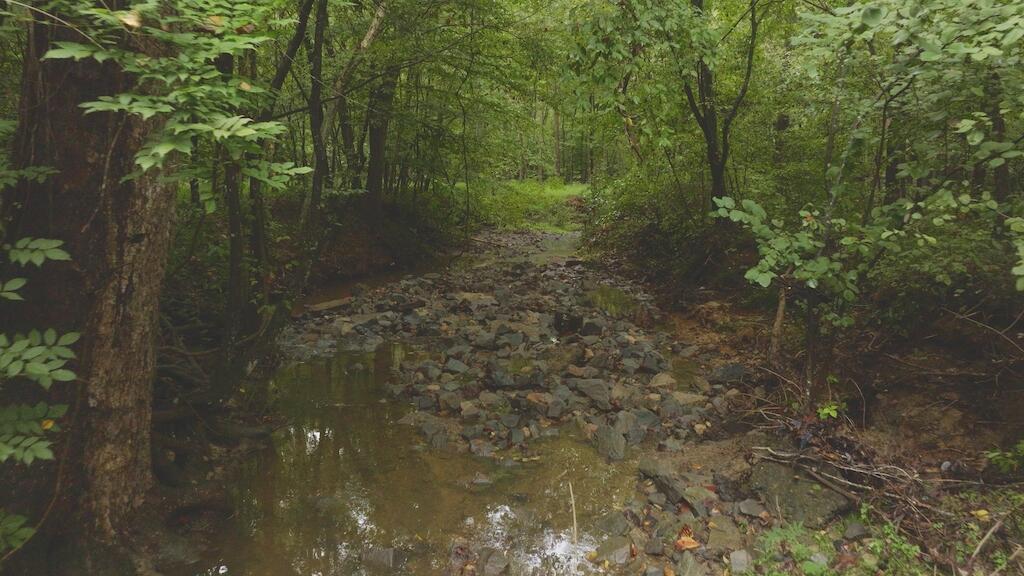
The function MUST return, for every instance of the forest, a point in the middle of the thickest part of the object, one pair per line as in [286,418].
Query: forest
[512,287]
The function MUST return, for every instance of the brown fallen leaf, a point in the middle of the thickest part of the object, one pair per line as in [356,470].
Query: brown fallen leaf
[686,541]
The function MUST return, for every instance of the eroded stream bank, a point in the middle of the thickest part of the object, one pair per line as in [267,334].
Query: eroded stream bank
[450,423]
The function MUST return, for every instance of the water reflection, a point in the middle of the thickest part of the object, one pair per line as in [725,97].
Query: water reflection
[344,484]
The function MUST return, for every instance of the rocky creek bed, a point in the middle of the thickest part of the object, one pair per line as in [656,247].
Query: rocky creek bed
[520,413]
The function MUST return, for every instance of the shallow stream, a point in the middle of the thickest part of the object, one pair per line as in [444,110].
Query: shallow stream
[347,489]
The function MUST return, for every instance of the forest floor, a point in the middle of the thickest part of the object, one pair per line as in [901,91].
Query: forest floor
[525,411]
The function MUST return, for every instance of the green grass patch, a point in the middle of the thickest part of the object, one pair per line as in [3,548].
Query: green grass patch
[550,205]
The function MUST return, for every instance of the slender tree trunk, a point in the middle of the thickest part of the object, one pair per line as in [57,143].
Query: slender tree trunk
[380,118]
[353,164]
[1001,174]
[340,84]
[775,346]
[118,233]
[259,242]
[310,220]
[235,296]
[557,131]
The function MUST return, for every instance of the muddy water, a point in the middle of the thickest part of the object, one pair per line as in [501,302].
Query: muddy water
[345,483]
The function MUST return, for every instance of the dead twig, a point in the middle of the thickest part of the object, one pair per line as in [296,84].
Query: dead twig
[1000,333]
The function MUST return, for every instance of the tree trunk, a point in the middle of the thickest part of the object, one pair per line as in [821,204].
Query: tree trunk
[310,219]
[379,119]
[118,233]
[775,345]
[238,279]
[353,162]
[557,130]
[1001,174]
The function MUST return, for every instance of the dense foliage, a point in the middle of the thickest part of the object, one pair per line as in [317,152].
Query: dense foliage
[862,160]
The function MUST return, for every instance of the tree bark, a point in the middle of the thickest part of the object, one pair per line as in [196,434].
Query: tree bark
[775,345]
[310,220]
[379,114]
[118,233]
[1001,174]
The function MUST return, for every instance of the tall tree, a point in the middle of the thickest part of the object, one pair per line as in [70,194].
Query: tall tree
[704,105]
[118,232]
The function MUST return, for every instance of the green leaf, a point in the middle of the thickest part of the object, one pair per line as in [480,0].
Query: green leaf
[68,50]
[872,16]
[63,375]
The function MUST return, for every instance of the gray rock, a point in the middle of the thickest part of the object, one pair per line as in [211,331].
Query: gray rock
[627,424]
[502,379]
[723,535]
[556,408]
[495,564]
[689,399]
[688,565]
[512,339]
[610,443]
[728,373]
[592,327]
[740,562]
[431,370]
[481,447]
[667,481]
[647,419]
[671,445]
[455,366]
[469,410]
[510,420]
[855,531]
[450,401]
[800,498]
[663,380]
[652,362]
[751,507]
[630,365]
[699,497]
[613,524]
[720,404]
[617,551]
[490,399]
[597,390]
[485,340]
[670,408]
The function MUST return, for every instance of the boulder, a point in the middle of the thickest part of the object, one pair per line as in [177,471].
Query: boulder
[800,498]
[610,443]
[597,390]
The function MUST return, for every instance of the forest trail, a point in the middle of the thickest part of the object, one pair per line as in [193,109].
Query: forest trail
[522,412]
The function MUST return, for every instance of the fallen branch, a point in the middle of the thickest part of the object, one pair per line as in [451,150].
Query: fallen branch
[998,332]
